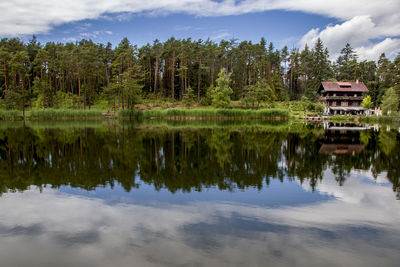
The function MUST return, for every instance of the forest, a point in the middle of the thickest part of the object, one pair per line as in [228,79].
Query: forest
[85,75]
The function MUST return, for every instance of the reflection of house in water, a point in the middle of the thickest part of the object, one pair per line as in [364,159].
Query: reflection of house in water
[342,138]
[341,149]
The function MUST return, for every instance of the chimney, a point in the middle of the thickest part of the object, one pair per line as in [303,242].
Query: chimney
[357,81]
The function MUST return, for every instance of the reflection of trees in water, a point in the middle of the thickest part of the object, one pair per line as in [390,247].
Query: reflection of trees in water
[387,141]
[220,143]
[182,159]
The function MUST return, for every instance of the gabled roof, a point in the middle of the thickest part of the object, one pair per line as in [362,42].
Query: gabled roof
[343,87]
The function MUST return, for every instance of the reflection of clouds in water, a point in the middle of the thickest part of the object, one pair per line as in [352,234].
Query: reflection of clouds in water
[357,202]
[359,227]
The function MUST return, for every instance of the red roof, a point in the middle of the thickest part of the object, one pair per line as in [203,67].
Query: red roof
[343,86]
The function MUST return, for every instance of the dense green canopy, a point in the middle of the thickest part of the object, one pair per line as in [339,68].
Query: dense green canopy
[83,74]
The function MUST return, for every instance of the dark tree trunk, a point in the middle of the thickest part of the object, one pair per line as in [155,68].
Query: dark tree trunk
[156,77]
[212,73]
[79,91]
[23,95]
[199,82]
[173,76]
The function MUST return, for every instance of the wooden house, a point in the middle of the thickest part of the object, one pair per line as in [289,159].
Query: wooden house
[343,97]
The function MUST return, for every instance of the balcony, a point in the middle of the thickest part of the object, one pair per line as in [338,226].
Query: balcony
[347,98]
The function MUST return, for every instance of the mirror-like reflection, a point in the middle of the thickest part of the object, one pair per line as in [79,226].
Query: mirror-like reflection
[277,194]
[191,159]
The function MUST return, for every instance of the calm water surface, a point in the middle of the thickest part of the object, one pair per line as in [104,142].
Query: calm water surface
[198,195]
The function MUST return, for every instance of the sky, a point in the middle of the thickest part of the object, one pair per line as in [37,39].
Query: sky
[371,27]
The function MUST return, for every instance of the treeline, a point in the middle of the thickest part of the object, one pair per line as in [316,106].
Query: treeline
[83,74]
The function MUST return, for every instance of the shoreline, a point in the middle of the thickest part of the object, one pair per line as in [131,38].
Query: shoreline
[186,114]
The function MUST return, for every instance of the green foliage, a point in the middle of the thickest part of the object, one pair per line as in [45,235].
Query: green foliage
[87,74]
[275,91]
[131,89]
[189,97]
[304,99]
[101,104]
[12,99]
[390,101]
[40,92]
[262,92]
[347,64]
[221,143]
[387,141]
[206,100]
[251,98]
[221,93]
[365,136]
[63,100]
[367,102]
[306,105]
[319,107]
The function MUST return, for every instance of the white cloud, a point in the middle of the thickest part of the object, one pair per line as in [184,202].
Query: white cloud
[50,228]
[125,16]
[220,36]
[83,26]
[185,28]
[360,20]
[389,46]
[92,35]
[69,39]
[358,31]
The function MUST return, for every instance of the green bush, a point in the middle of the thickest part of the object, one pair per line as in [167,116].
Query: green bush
[188,97]
[222,92]
[207,99]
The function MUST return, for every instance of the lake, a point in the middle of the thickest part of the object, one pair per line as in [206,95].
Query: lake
[199,194]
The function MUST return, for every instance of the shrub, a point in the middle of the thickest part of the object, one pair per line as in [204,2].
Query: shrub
[188,97]
[221,93]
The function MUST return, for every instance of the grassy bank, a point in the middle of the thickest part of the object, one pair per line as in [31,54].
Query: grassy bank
[64,114]
[51,114]
[10,115]
[235,114]
[198,113]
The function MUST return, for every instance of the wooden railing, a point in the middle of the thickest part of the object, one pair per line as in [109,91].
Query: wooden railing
[355,98]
